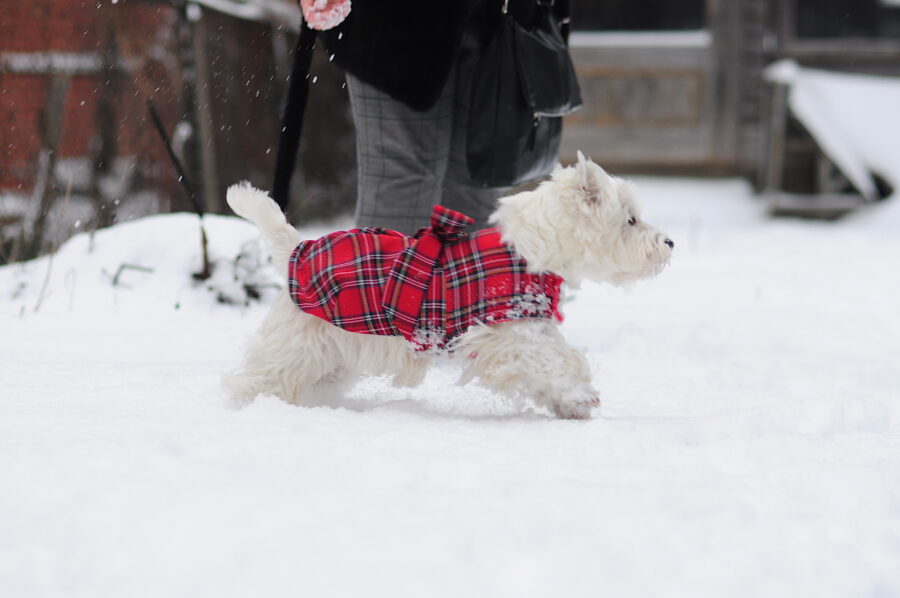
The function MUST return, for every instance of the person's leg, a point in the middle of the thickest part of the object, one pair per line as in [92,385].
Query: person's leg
[402,157]
[459,192]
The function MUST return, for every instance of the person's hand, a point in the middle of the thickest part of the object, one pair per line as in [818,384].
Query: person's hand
[325,14]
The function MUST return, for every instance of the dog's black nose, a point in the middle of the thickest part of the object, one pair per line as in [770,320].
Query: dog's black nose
[670,243]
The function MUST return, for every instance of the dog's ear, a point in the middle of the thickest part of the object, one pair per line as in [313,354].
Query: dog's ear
[591,185]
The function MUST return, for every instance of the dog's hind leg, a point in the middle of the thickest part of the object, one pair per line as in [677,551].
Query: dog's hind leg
[411,369]
[531,358]
[291,354]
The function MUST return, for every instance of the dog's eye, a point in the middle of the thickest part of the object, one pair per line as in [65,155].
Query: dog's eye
[632,221]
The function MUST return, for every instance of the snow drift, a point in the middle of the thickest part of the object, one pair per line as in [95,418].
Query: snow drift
[748,444]
[855,119]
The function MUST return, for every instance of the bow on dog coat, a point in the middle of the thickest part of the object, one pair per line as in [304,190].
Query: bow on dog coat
[429,288]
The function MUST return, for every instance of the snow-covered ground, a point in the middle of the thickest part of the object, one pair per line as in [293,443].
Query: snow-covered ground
[749,442]
[853,118]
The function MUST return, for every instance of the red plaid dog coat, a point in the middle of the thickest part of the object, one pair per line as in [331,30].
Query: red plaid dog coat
[428,288]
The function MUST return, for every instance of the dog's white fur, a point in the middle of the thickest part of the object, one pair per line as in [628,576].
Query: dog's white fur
[580,224]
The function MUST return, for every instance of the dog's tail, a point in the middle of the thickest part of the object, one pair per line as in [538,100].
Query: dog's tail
[260,209]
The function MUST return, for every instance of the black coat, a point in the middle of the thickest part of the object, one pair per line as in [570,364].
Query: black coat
[407,48]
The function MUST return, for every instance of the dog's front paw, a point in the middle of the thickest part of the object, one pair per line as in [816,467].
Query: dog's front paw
[576,409]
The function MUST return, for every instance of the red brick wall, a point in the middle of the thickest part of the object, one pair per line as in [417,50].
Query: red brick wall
[21,98]
[48,25]
[144,35]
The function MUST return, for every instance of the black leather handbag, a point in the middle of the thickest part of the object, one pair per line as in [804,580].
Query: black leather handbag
[524,83]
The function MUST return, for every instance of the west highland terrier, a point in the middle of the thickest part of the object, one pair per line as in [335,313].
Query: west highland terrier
[377,302]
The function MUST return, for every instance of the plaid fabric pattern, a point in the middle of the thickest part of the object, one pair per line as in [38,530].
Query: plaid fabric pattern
[429,288]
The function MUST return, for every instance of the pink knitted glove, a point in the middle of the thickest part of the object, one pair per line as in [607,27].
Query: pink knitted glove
[325,14]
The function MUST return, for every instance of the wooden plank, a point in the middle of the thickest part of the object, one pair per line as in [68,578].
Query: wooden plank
[752,92]
[823,206]
[774,159]
[847,52]
[844,48]
[645,103]
[212,197]
[723,19]
[44,192]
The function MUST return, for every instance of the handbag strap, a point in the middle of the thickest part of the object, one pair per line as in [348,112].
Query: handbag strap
[292,117]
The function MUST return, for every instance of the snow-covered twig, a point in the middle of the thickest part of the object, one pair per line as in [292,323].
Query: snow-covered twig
[114,278]
[189,189]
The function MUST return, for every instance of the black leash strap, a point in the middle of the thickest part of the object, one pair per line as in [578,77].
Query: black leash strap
[292,117]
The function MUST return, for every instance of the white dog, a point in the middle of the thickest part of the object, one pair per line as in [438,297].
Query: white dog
[579,224]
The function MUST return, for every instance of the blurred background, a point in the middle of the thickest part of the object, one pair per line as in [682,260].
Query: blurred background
[672,87]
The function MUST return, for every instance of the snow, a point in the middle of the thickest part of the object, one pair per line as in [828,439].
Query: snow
[641,39]
[854,119]
[71,63]
[14,204]
[747,446]
[281,12]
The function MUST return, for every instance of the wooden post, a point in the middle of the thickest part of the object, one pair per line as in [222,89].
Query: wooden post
[52,119]
[777,139]
[723,18]
[107,129]
[207,136]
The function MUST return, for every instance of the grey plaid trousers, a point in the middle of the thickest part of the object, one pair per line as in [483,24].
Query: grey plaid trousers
[410,161]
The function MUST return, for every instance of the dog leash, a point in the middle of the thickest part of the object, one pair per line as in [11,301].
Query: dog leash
[292,116]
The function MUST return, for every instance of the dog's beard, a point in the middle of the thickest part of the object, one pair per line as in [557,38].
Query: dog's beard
[650,270]
[631,259]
